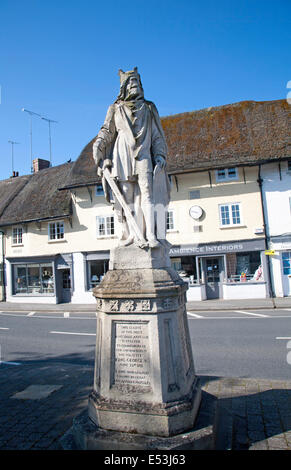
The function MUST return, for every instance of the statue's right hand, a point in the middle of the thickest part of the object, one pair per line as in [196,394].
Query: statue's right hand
[97,153]
[107,164]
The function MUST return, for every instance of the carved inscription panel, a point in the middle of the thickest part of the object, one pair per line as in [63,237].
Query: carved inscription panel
[131,354]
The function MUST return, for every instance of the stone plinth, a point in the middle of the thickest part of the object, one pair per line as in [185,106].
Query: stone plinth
[144,380]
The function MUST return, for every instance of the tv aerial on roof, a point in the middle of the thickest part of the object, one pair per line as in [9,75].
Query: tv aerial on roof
[12,142]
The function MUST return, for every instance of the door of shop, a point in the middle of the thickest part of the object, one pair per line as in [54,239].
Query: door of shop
[212,269]
[66,285]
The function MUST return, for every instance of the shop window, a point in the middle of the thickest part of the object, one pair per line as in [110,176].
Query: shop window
[105,226]
[96,271]
[230,214]
[170,220]
[286,257]
[56,231]
[33,279]
[17,236]
[186,267]
[226,174]
[99,190]
[244,267]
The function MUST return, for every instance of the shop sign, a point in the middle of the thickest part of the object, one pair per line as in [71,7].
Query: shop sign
[218,248]
[269,252]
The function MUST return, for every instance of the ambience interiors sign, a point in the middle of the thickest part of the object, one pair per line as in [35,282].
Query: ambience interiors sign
[218,248]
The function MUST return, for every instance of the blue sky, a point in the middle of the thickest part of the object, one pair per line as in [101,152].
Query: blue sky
[60,59]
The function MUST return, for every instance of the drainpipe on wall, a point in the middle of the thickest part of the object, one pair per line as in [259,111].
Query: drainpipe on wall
[270,286]
[3,268]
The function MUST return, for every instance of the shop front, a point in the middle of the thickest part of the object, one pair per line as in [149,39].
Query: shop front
[281,265]
[89,269]
[64,277]
[31,279]
[46,279]
[232,270]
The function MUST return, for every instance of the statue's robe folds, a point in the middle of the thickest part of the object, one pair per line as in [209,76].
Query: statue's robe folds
[132,137]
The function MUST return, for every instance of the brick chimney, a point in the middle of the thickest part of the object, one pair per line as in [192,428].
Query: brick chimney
[40,164]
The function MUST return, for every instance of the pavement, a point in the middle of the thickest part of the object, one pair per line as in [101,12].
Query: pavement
[39,399]
[192,306]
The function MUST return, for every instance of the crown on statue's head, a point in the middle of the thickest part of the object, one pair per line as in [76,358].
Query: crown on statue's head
[125,75]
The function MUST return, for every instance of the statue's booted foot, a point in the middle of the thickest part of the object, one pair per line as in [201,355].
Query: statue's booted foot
[126,242]
[153,243]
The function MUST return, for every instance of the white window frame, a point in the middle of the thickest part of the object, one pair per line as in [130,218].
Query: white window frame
[18,239]
[170,215]
[230,214]
[109,227]
[56,238]
[227,176]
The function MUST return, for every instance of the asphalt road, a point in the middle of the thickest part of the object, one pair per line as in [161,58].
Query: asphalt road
[251,344]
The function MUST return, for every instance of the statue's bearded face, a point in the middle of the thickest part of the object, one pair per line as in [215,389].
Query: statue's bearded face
[133,88]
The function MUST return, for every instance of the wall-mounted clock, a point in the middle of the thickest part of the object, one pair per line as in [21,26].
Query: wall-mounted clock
[196,212]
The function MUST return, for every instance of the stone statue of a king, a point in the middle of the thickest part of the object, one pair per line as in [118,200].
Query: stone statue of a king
[145,391]
[131,150]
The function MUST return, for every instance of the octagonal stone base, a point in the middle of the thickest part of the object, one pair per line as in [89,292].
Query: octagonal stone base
[144,378]
[156,419]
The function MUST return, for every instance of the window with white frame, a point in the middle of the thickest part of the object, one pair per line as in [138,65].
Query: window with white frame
[17,236]
[105,225]
[170,220]
[226,174]
[56,230]
[230,214]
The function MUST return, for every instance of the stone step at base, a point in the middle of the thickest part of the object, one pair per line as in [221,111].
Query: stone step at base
[213,430]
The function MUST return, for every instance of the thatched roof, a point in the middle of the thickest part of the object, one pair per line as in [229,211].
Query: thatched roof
[35,197]
[244,133]
[9,189]
[248,132]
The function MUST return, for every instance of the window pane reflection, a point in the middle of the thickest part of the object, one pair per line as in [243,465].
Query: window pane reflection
[33,279]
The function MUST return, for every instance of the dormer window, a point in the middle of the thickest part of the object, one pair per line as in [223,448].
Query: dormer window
[226,174]
[56,231]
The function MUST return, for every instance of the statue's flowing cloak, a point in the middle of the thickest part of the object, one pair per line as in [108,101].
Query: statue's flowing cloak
[125,146]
